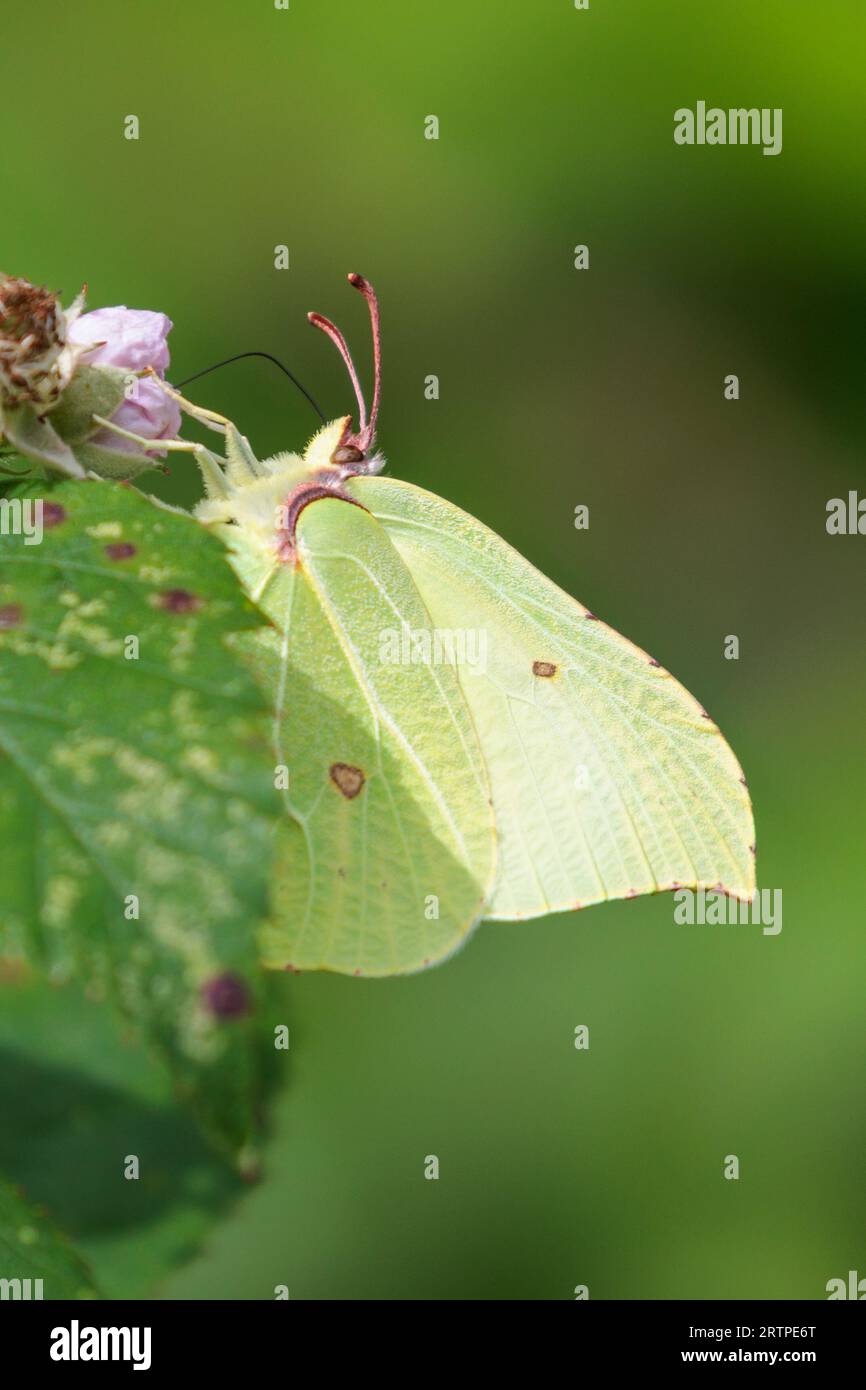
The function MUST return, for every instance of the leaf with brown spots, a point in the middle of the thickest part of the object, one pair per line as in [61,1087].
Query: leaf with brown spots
[136,796]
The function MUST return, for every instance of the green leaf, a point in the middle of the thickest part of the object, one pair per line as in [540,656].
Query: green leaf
[31,1250]
[15,468]
[84,1097]
[92,391]
[136,778]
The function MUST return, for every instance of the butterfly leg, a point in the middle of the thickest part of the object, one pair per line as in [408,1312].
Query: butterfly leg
[238,450]
[214,478]
[211,418]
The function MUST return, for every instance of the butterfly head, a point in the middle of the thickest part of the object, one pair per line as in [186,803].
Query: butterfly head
[264,498]
[333,452]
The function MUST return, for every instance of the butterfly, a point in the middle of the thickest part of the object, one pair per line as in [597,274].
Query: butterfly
[459,740]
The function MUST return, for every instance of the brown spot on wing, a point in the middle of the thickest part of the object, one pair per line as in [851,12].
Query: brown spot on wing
[347,779]
[544,668]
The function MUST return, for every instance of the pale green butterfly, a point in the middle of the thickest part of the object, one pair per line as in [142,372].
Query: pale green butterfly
[425,792]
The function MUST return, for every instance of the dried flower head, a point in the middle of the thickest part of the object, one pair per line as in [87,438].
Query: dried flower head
[36,358]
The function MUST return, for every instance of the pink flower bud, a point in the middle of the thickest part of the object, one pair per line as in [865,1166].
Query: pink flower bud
[134,339]
[152,414]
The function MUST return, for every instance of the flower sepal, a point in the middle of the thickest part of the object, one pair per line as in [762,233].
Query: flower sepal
[97,391]
[70,442]
[92,391]
[37,440]
[105,462]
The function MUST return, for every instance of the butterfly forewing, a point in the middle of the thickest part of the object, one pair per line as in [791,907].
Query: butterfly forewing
[608,778]
[387,856]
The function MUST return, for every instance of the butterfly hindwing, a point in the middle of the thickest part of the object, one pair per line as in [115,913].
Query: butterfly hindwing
[608,778]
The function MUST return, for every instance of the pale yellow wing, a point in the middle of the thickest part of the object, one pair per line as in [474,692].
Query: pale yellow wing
[608,778]
[387,856]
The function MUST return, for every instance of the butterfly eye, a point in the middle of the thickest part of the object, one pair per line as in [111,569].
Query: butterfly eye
[347,453]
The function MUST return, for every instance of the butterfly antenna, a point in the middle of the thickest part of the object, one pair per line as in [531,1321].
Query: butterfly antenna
[336,337]
[268,358]
[368,432]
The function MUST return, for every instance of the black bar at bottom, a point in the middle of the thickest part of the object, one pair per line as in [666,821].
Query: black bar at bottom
[234,1339]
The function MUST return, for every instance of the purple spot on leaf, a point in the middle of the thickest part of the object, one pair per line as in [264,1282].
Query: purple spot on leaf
[227,996]
[179,601]
[11,615]
[52,514]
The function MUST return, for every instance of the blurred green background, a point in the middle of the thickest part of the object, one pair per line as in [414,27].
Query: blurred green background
[305,127]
